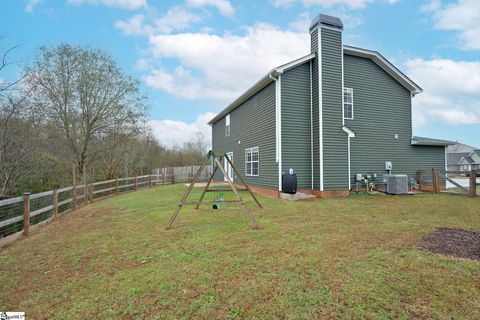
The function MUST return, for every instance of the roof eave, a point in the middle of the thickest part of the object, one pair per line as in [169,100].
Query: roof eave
[259,85]
[386,65]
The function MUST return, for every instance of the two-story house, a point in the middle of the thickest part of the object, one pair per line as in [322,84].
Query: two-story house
[329,115]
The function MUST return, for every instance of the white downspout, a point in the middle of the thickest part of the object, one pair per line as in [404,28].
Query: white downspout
[278,125]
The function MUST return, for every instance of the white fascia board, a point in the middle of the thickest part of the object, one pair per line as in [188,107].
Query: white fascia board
[385,65]
[260,84]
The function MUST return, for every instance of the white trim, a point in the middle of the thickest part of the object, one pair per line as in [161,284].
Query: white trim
[343,104]
[260,84]
[311,126]
[294,63]
[227,167]
[320,105]
[279,84]
[320,25]
[343,88]
[385,65]
[251,161]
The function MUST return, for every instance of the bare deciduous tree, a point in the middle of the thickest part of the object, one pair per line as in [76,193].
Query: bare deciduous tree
[85,95]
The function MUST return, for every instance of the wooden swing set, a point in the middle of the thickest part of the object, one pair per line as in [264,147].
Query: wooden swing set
[219,160]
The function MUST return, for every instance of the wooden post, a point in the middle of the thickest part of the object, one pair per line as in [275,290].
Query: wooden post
[85,186]
[136,183]
[163,176]
[55,204]
[26,213]
[90,192]
[434,180]
[151,182]
[472,190]
[420,179]
[116,185]
[74,197]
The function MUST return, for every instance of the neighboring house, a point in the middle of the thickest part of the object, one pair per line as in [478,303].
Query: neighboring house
[334,113]
[462,157]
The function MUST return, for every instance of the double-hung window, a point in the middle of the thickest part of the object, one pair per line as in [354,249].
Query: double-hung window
[252,161]
[227,125]
[347,103]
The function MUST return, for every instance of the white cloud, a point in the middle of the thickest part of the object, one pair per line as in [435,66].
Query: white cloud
[31,4]
[133,26]
[451,91]
[177,18]
[124,4]
[224,6]
[174,132]
[462,17]
[222,66]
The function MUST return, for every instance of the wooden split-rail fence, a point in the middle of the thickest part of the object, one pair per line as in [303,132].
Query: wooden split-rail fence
[20,215]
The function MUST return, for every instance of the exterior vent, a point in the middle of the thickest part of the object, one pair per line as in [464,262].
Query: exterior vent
[397,184]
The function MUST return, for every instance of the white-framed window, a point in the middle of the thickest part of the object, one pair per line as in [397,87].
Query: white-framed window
[252,161]
[227,125]
[347,103]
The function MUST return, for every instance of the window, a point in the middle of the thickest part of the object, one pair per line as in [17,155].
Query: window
[227,125]
[347,103]
[251,161]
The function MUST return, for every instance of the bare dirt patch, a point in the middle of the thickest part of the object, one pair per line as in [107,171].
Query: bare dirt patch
[453,242]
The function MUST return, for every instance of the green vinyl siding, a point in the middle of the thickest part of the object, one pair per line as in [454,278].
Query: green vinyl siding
[382,108]
[296,115]
[253,124]
[335,149]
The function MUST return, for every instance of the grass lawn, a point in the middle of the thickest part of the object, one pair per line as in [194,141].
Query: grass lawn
[326,259]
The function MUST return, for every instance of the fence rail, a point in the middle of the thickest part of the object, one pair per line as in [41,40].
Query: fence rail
[19,215]
[456,182]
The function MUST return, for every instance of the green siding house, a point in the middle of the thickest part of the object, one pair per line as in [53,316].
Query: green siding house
[330,115]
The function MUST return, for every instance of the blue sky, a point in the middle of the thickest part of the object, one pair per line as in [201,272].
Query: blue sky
[194,56]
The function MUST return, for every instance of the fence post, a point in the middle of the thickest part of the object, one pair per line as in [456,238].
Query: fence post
[85,186]
[420,179]
[472,190]
[434,180]
[116,185]
[136,183]
[74,198]
[55,204]
[151,182]
[163,176]
[26,213]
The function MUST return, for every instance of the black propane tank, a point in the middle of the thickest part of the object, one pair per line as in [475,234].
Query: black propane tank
[289,182]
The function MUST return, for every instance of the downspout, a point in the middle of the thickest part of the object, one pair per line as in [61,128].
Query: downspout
[278,125]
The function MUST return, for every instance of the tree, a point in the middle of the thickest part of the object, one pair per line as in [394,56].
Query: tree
[84,95]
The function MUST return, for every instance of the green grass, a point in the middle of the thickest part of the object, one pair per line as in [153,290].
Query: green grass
[354,258]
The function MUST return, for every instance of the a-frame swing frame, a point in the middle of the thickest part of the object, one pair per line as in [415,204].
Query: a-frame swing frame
[216,165]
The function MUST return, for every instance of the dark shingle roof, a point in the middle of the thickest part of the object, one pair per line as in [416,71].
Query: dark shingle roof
[422,141]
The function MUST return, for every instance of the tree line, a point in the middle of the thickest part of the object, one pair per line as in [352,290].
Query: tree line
[73,110]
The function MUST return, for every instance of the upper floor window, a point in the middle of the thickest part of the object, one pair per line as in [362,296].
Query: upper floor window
[227,125]
[252,161]
[347,103]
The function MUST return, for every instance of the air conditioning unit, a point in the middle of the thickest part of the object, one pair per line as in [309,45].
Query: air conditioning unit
[397,184]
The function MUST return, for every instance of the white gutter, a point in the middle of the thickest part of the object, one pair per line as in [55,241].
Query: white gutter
[311,125]
[320,105]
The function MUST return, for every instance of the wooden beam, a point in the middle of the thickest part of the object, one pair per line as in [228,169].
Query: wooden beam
[243,181]
[473,183]
[245,208]
[55,204]
[457,184]
[26,213]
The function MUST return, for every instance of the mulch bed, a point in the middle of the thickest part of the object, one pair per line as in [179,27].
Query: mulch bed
[453,242]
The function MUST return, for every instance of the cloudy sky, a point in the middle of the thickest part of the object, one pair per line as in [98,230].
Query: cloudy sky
[195,56]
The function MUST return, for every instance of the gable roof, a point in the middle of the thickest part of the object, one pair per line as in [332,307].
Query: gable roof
[455,158]
[359,52]
[383,63]
[422,141]
[260,84]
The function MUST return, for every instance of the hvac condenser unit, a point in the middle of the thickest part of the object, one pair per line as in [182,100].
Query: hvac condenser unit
[397,184]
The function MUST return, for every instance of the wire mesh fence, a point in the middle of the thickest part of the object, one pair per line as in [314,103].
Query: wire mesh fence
[19,213]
